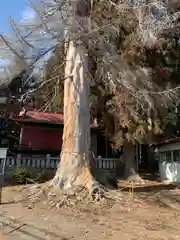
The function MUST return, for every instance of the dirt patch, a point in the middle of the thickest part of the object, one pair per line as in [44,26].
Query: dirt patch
[138,216]
[4,237]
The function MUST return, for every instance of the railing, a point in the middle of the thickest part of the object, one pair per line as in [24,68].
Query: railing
[50,162]
[39,162]
[107,163]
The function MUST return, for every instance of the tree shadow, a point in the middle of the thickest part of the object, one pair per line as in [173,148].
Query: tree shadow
[32,231]
[152,188]
[36,237]
[8,203]
[150,176]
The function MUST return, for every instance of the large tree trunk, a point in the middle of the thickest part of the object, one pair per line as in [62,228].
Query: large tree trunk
[131,168]
[129,160]
[74,166]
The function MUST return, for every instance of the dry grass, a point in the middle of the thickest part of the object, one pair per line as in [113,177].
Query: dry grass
[141,217]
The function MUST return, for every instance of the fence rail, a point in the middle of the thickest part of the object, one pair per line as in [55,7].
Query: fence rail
[107,163]
[50,162]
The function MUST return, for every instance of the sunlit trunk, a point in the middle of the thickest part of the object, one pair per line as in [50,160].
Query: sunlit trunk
[74,166]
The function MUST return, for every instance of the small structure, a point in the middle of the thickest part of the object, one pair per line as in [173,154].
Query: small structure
[40,142]
[42,132]
[168,157]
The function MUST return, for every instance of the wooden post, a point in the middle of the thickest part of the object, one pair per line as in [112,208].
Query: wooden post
[2,178]
[18,158]
[106,147]
[48,160]
[3,164]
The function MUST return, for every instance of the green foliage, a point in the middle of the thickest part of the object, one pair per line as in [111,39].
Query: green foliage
[43,176]
[20,175]
[173,120]
[173,116]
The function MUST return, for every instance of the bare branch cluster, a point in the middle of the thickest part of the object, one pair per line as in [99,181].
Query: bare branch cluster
[36,37]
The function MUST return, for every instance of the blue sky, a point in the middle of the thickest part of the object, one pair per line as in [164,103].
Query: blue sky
[17,10]
[11,8]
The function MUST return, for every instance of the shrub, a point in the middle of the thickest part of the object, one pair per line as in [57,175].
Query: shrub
[20,175]
[43,176]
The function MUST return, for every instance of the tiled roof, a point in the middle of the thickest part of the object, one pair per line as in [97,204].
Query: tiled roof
[44,117]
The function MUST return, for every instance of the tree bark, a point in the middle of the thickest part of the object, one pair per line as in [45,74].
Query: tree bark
[129,160]
[74,168]
[131,168]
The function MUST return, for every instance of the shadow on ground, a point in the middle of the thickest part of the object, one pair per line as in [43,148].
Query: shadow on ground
[27,230]
[7,203]
[154,189]
[152,184]
[150,177]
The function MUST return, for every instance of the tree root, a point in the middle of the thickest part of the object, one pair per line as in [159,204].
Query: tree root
[69,191]
[135,180]
[56,198]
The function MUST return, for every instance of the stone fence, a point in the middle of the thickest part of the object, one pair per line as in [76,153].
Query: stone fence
[50,162]
[33,161]
[37,163]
